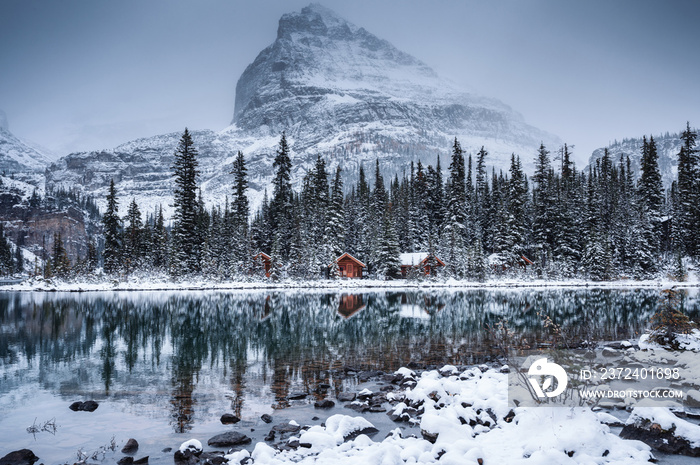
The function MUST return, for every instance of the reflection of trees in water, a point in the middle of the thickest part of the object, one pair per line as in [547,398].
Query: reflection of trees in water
[298,338]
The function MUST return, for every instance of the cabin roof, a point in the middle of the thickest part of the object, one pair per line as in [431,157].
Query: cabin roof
[416,258]
[263,255]
[347,255]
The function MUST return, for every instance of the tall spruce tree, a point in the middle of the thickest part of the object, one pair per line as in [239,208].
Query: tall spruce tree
[456,220]
[186,238]
[112,232]
[239,233]
[686,221]
[281,208]
[651,199]
[133,238]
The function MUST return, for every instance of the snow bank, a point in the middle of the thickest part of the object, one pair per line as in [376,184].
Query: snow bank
[685,341]
[465,418]
[667,421]
[162,282]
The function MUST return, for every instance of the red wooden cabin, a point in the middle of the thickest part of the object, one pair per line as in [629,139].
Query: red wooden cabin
[349,266]
[418,260]
[263,260]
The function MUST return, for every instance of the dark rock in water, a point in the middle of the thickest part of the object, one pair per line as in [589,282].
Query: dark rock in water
[364,376]
[131,461]
[369,431]
[298,395]
[167,449]
[283,428]
[190,457]
[377,408]
[230,438]
[266,418]
[270,437]
[314,419]
[358,406]
[87,406]
[658,438]
[326,403]
[346,396]
[19,457]
[131,446]
[229,419]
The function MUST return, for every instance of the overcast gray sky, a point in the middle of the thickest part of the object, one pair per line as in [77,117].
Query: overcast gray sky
[86,74]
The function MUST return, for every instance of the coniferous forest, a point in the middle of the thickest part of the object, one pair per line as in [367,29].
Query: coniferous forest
[604,223]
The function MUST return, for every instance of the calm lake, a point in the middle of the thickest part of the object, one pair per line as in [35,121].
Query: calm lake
[164,366]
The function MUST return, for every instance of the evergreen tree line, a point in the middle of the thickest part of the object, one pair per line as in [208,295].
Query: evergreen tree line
[605,222]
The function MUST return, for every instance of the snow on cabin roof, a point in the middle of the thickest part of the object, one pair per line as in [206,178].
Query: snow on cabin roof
[412,259]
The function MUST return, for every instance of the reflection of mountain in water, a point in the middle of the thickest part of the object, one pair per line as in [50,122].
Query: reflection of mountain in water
[177,351]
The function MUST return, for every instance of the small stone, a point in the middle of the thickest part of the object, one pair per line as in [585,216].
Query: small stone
[346,396]
[130,447]
[167,449]
[266,418]
[298,395]
[141,461]
[19,457]
[228,439]
[126,461]
[315,419]
[229,419]
[326,403]
[87,406]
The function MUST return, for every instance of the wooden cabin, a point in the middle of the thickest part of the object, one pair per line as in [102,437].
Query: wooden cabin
[349,266]
[420,261]
[500,263]
[263,260]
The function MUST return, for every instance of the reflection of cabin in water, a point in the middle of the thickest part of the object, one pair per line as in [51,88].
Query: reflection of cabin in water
[262,260]
[419,261]
[420,306]
[350,304]
[350,267]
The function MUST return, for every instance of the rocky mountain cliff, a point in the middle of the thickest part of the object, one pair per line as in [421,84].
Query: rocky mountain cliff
[339,92]
[16,155]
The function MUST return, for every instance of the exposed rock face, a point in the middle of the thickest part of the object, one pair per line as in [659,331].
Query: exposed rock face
[339,92]
[17,155]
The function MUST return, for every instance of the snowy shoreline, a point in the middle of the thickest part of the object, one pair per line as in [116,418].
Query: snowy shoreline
[139,284]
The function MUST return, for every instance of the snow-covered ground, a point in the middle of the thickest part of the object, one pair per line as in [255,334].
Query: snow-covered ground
[464,419]
[164,282]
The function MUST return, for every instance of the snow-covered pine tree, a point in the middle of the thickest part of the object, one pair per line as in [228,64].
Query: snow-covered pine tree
[186,233]
[686,221]
[651,196]
[281,209]
[133,238]
[60,263]
[455,222]
[481,198]
[237,231]
[544,206]
[387,261]
[112,232]
[7,265]
[335,226]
